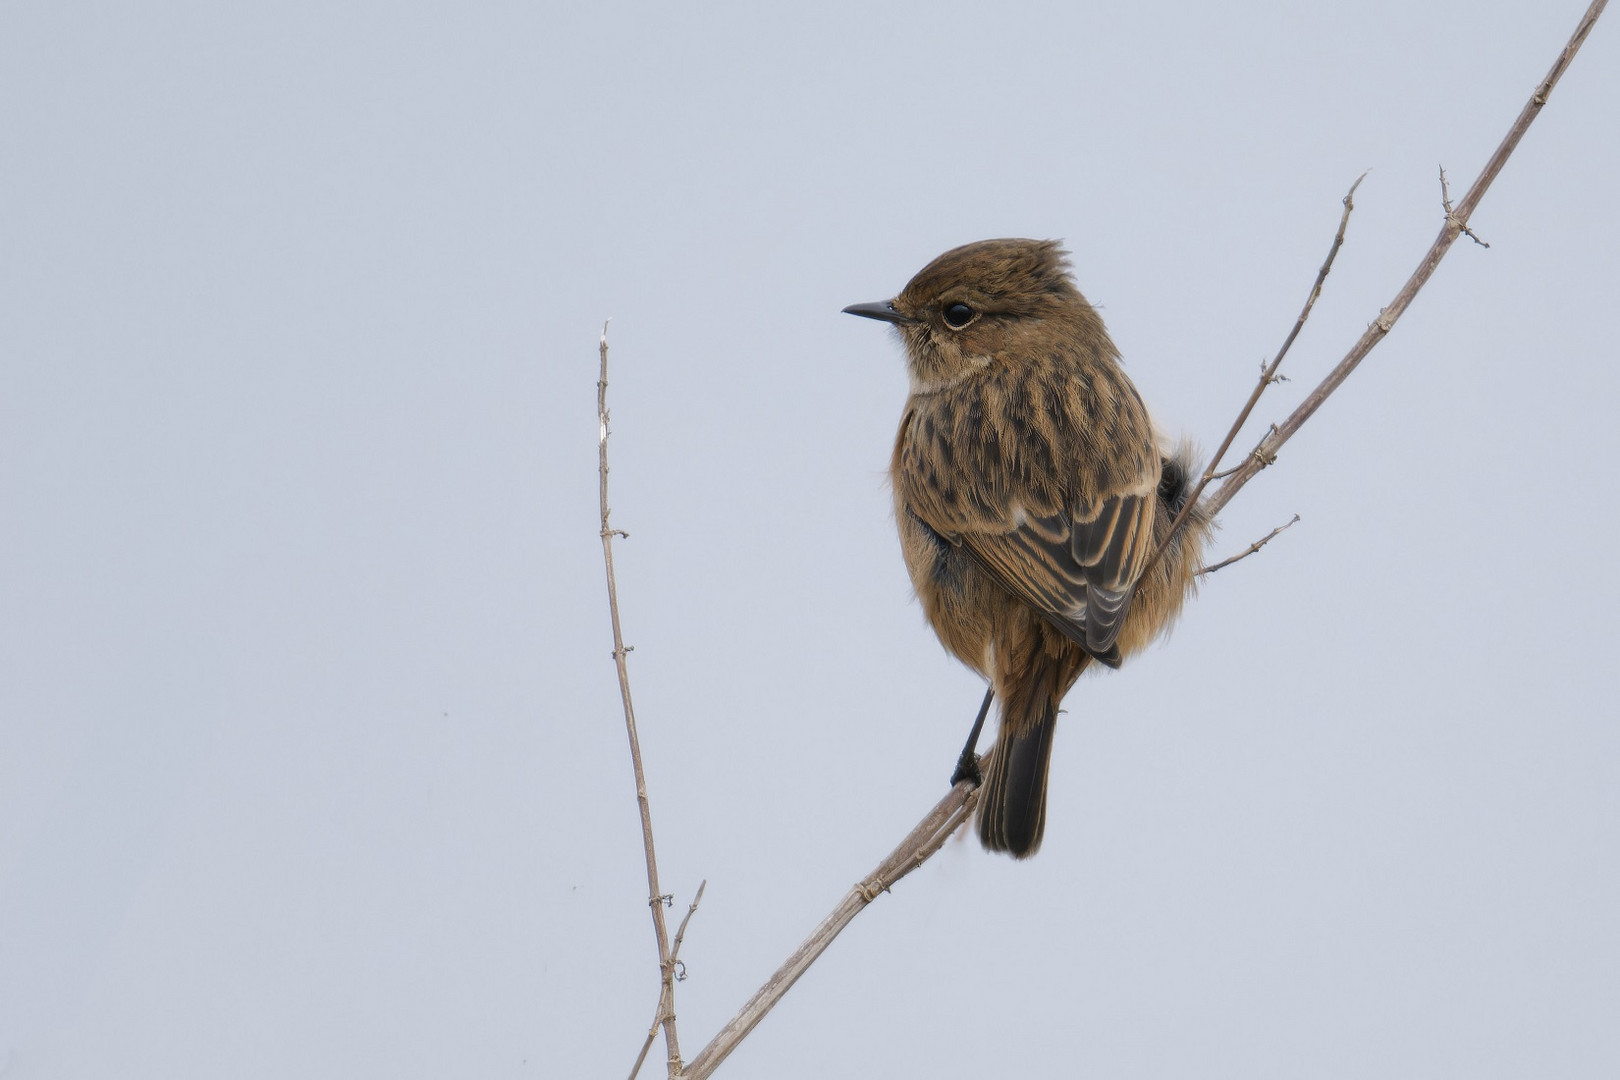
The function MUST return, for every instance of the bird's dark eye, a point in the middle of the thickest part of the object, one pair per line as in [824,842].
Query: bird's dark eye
[958,315]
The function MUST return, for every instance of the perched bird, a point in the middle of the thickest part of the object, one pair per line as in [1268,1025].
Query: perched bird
[1031,491]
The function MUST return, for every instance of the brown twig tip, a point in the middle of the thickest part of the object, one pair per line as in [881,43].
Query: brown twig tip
[1349,199]
[1252,548]
[680,931]
[1452,217]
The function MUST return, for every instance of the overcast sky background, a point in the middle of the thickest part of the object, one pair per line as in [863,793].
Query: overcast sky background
[311,761]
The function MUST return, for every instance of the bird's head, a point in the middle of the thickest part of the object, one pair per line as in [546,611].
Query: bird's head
[984,303]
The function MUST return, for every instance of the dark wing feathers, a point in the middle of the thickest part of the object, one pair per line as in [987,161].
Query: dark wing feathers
[1111,537]
[1112,540]
[1078,569]
[1036,568]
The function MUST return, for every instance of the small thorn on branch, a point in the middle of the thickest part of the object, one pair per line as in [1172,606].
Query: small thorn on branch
[1452,217]
[1251,549]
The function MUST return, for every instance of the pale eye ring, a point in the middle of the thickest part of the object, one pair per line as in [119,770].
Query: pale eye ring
[958,315]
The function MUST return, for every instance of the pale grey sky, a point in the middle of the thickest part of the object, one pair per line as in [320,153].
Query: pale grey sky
[310,755]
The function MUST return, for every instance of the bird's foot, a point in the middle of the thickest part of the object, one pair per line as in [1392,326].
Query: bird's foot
[967,768]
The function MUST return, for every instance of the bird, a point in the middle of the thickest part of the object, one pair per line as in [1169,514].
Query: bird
[1031,492]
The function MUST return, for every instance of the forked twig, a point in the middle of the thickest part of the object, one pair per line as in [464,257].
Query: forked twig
[1456,222]
[1268,376]
[679,972]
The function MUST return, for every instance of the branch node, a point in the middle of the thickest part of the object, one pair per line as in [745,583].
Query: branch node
[1269,377]
[1261,453]
[1453,219]
[871,889]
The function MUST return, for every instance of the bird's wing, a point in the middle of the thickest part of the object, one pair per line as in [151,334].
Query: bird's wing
[1077,566]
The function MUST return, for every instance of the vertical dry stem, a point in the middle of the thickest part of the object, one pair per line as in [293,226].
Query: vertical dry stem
[655,899]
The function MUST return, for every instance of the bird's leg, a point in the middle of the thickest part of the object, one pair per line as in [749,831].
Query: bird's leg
[967,766]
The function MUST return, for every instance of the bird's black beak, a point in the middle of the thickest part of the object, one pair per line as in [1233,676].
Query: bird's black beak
[881,310]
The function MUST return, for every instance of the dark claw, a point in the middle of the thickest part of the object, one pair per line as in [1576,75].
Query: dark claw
[967,768]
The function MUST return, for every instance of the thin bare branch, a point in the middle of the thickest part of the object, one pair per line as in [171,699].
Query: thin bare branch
[652,1035]
[1456,221]
[680,932]
[1268,373]
[1252,548]
[930,834]
[665,1016]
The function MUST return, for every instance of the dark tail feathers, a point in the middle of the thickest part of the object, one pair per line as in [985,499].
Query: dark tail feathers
[1012,807]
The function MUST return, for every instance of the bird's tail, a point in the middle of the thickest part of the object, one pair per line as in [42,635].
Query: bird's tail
[1012,806]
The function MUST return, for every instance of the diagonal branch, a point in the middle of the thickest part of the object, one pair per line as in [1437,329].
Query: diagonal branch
[917,848]
[1456,224]
[1252,548]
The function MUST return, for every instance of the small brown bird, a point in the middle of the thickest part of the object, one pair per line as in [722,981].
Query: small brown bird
[1031,491]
